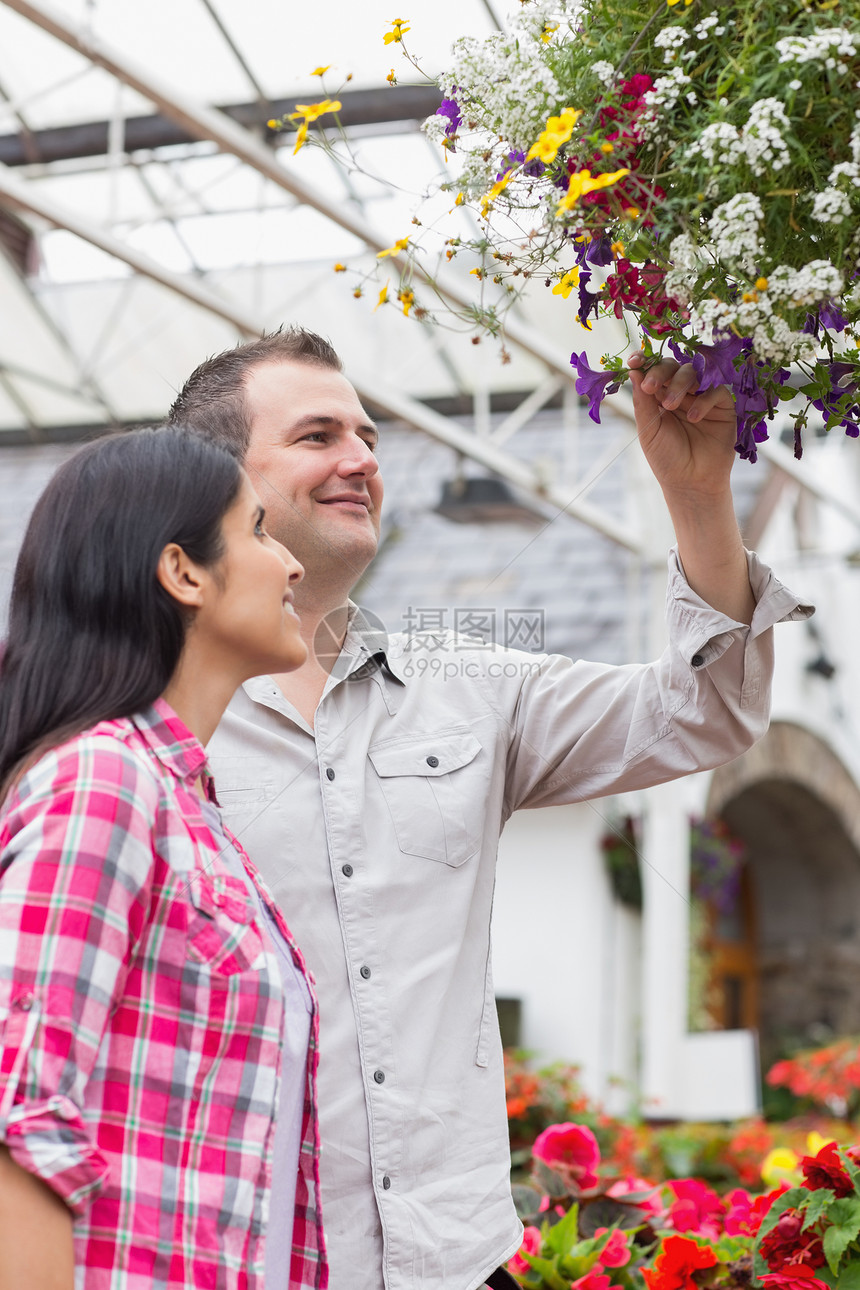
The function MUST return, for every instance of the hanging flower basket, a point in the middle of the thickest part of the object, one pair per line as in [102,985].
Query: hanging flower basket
[691,167]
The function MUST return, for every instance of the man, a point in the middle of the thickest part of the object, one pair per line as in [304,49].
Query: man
[371,794]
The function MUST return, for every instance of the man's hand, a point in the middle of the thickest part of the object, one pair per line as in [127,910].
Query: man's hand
[688,438]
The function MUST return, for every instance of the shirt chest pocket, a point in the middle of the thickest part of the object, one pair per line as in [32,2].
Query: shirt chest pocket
[433,791]
[221,932]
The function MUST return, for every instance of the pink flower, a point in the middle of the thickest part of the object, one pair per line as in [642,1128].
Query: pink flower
[572,1149]
[595,1279]
[531,1245]
[615,1252]
[632,1186]
[739,1219]
[696,1208]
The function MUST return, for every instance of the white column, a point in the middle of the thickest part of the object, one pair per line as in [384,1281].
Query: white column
[665,944]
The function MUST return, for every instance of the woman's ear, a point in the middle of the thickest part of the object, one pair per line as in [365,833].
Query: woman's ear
[180,577]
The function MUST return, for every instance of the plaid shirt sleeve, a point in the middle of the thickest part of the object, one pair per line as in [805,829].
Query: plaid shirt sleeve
[76,865]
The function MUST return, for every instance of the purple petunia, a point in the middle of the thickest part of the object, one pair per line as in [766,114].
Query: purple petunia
[597,251]
[534,168]
[715,364]
[829,316]
[450,108]
[844,391]
[750,402]
[593,385]
[589,301]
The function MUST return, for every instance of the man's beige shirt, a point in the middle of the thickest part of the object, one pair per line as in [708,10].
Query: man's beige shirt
[377,833]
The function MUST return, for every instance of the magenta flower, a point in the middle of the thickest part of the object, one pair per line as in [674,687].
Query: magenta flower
[571,1149]
[695,1209]
[593,385]
[517,1265]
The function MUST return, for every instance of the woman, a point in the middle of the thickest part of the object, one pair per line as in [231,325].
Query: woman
[157,1026]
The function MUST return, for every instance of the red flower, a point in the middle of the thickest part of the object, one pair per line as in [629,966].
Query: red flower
[531,1245]
[788,1243]
[572,1149]
[799,1277]
[696,1208]
[675,1264]
[630,1185]
[826,1170]
[615,1252]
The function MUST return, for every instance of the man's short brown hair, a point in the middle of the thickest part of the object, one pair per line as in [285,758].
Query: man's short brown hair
[212,400]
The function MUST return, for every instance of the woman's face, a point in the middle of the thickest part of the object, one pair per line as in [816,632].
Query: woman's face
[248,615]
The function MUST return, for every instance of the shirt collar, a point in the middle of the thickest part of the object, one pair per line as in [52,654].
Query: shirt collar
[170,740]
[367,643]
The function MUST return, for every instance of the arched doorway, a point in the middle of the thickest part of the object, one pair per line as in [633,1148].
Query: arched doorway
[797,810]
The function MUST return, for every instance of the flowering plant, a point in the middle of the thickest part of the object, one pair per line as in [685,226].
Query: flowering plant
[693,168]
[587,1232]
[827,1077]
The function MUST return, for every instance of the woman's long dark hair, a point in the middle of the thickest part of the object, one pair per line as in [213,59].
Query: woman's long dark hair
[92,633]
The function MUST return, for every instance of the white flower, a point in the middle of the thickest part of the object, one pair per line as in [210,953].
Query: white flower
[819,47]
[603,70]
[670,40]
[660,101]
[763,141]
[702,28]
[849,170]
[734,231]
[817,280]
[719,144]
[831,206]
[795,85]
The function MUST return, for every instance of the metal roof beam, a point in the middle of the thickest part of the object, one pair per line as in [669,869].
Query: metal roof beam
[90,139]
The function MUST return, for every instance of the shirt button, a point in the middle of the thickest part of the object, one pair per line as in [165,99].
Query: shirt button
[386,1182]
[347,870]
[433,761]
[25,1003]
[365,972]
[329,773]
[379,1076]
[697,660]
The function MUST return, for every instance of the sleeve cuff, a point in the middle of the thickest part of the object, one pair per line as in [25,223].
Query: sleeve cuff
[702,634]
[50,1139]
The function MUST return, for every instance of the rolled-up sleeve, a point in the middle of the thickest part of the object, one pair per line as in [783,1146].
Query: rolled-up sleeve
[76,861]
[587,729]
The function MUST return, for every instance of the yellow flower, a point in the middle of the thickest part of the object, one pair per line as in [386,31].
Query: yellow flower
[565,285]
[617,248]
[779,1164]
[383,298]
[459,199]
[273,124]
[632,212]
[761,284]
[407,299]
[320,71]
[391,78]
[583,182]
[478,273]
[814,1143]
[548,29]
[670,3]
[358,293]
[399,245]
[607,147]
[498,186]
[313,111]
[308,112]
[557,131]
[398,27]
[340,268]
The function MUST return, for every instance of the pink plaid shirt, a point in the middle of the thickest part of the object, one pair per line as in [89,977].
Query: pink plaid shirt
[141,1019]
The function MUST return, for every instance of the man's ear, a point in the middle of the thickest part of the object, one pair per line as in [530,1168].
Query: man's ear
[180,577]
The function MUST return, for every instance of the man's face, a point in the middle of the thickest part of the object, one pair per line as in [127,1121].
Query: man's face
[311,460]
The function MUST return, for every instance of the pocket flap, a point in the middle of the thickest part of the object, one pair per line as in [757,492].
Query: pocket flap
[430,755]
